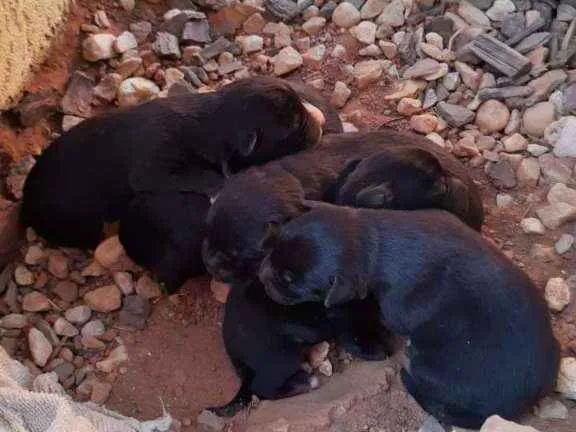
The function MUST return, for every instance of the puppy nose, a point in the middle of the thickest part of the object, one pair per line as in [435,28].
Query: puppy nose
[316,114]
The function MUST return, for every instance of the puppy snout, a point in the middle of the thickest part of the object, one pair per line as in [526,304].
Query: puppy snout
[316,114]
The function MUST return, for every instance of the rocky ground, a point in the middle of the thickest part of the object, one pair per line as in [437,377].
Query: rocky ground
[494,81]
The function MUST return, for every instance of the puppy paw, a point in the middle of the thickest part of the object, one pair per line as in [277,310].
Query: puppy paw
[300,382]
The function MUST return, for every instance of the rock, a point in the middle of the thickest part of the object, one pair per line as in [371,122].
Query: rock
[207,421]
[502,174]
[148,288]
[166,45]
[367,72]
[314,25]
[422,68]
[365,32]
[470,77]
[528,172]
[560,135]
[545,84]
[372,8]
[64,328]
[126,41]
[498,424]
[104,299]
[513,123]
[196,31]
[135,312]
[566,12]
[36,302]
[557,294]
[14,321]
[555,215]
[78,314]
[499,9]
[128,5]
[137,90]
[40,347]
[287,60]
[388,48]
[325,368]
[346,15]
[141,30]
[66,290]
[472,15]
[409,106]
[537,118]
[430,99]
[252,44]
[455,115]
[124,281]
[550,409]
[393,14]
[514,143]
[536,149]
[492,116]
[98,47]
[533,41]
[58,265]
[371,50]
[68,122]
[554,169]
[23,276]
[78,98]
[94,328]
[424,123]
[532,226]
[318,353]
[107,88]
[340,95]
[436,139]
[504,200]
[254,24]
[100,392]
[561,193]
[564,244]
[566,384]
[118,356]
[314,56]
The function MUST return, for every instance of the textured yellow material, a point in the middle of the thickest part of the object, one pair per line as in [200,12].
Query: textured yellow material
[26,27]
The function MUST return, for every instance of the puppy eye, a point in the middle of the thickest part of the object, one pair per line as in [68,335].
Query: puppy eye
[288,276]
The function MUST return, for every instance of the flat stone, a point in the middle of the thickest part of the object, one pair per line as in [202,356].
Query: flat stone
[14,321]
[287,60]
[533,41]
[528,172]
[406,88]
[64,328]
[515,143]
[66,290]
[254,23]
[560,135]
[537,118]
[40,347]
[513,24]
[566,384]
[455,115]
[565,12]
[346,15]
[36,302]
[98,47]
[564,243]
[422,68]
[104,299]
[557,294]
[125,41]
[78,314]
[555,169]
[502,174]
[197,31]
[555,215]
[430,99]
[545,84]
[472,15]
[78,98]
[532,226]
[148,288]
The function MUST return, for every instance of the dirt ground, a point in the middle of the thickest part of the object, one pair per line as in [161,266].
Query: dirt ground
[179,357]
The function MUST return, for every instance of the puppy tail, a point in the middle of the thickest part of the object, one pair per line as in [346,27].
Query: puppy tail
[241,401]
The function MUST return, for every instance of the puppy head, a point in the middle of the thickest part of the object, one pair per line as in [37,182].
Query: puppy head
[399,178]
[237,221]
[269,120]
[306,260]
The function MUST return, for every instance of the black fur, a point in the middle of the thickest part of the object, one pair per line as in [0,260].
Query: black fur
[481,339]
[275,192]
[179,144]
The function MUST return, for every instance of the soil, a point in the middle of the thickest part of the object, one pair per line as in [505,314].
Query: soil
[179,358]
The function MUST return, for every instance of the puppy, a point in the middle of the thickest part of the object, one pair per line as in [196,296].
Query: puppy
[237,220]
[266,343]
[481,339]
[404,178]
[179,144]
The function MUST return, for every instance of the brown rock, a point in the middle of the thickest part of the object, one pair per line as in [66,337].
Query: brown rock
[100,392]
[409,106]
[40,347]
[109,252]
[424,123]
[23,276]
[78,98]
[148,288]
[58,265]
[66,290]
[36,302]
[492,116]
[104,299]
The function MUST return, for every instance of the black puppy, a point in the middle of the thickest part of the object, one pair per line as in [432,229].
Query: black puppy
[404,178]
[266,341]
[481,339]
[237,221]
[179,144]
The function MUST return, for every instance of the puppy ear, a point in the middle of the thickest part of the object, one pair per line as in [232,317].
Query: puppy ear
[271,236]
[247,145]
[339,293]
[375,196]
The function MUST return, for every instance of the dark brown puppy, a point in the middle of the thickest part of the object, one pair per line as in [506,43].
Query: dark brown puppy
[89,175]
[237,220]
[480,333]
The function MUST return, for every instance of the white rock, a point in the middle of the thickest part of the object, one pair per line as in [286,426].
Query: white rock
[14,321]
[367,72]
[436,139]
[557,294]
[566,383]
[137,90]
[128,5]
[434,39]
[550,409]
[498,424]
[98,47]
[339,51]
[372,8]
[287,60]
[126,41]
[555,215]
[561,193]
[388,48]
[64,328]
[78,314]
[538,118]
[341,94]
[492,116]
[561,135]
[349,127]
[515,143]
[23,276]
[564,243]
[346,15]
[504,200]
[252,43]
[499,9]
[94,328]
[536,149]
[35,255]
[393,14]
[365,32]
[40,347]
[532,226]
[314,25]
[325,368]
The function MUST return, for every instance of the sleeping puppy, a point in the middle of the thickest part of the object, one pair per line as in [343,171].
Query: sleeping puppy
[180,144]
[266,343]
[274,193]
[403,178]
[480,336]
